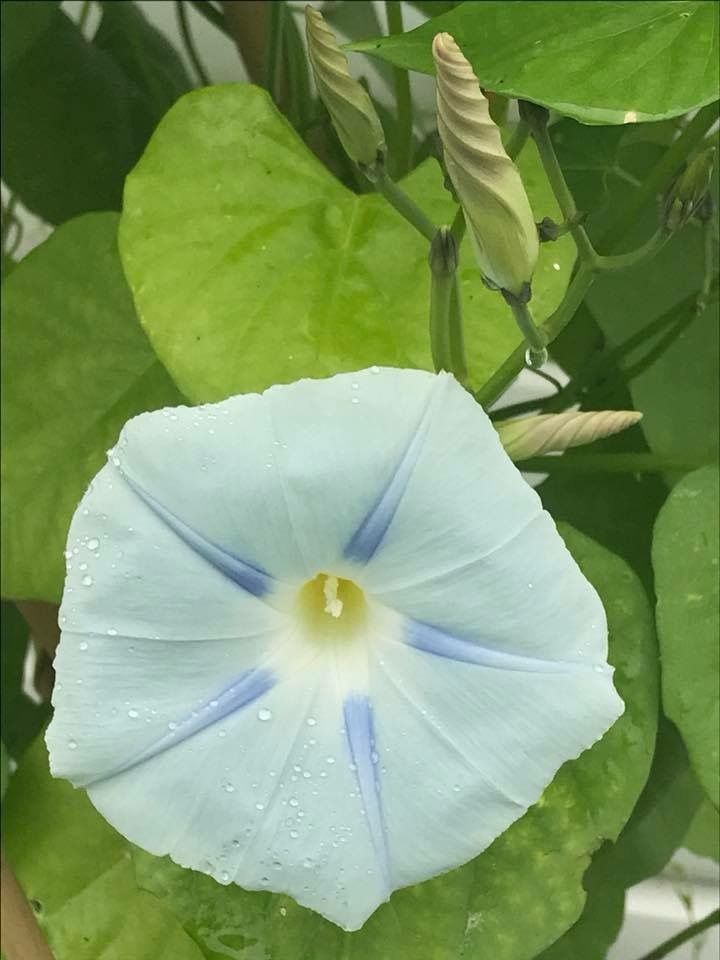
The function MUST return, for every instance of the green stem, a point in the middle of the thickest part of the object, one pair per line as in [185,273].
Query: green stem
[456,332]
[621,261]
[403,101]
[189,43]
[213,16]
[273,58]
[564,197]
[709,274]
[607,463]
[662,175]
[441,292]
[687,934]
[404,205]
[535,337]
[518,139]
[553,326]
[8,219]
[84,14]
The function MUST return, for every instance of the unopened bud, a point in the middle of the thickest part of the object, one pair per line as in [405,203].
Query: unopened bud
[351,110]
[487,182]
[687,194]
[553,432]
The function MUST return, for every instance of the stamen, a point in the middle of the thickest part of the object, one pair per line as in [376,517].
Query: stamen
[333,604]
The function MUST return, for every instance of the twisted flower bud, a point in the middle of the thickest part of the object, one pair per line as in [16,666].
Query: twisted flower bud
[351,110]
[552,432]
[488,185]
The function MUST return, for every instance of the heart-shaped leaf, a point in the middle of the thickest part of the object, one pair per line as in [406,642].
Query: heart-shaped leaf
[685,559]
[251,265]
[488,908]
[75,367]
[598,62]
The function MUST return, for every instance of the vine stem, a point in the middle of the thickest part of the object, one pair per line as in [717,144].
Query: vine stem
[607,463]
[621,261]
[564,197]
[404,205]
[687,934]
[403,100]
[189,43]
[662,174]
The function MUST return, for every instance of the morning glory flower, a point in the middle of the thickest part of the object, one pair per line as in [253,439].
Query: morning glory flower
[323,640]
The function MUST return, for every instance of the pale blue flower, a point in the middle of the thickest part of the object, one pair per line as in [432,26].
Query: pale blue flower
[322,640]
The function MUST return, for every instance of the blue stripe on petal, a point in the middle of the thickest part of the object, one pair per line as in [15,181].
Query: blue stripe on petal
[369,535]
[245,575]
[432,640]
[361,741]
[245,689]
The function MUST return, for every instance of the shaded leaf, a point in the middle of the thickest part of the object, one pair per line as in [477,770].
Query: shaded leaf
[68,137]
[685,560]
[75,366]
[156,74]
[20,717]
[598,62]
[21,23]
[78,874]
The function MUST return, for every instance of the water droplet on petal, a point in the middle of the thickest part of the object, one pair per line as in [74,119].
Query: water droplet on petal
[133,714]
[93,544]
[87,581]
[293,801]
[111,632]
[264,714]
[83,645]
[374,369]
[224,877]
[311,721]
[259,806]
[172,725]
[228,788]
[72,744]
[330,760]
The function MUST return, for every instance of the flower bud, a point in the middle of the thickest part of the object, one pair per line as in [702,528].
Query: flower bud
[688,191]
[497,211]
[552,432]
[351,110]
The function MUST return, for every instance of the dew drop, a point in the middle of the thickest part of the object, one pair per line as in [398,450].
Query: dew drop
[354,400]
[330,760]
[172,725]
[87,581]
[293,801]
[83,566]
[93,544]
[259,806]
[311,721]
[294,834]
[224,877]
[112,632]
[133,714]
[264,714]
[374,369]
[222,733]
[283,911]
[72,744]
[83,645]
[354,386]
[228,788]
[68,554]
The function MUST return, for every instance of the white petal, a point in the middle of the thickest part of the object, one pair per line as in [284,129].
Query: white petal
[282,480]
[470,550]
[273,804]
[464,748]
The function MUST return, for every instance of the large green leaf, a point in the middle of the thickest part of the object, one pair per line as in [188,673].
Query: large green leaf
[78,874]
[655,830]
[75,367]
[489,908]
[596,61]
[703,837]
[21,23]
[685,559]
[20,718]
[67,134]
[251,265]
